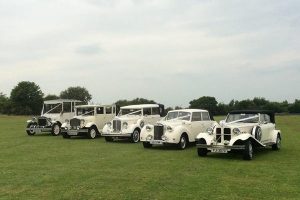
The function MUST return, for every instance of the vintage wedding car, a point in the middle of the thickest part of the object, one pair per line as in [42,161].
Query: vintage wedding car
[54,113]
[130,120]
[178,127]
[242,130]
[88,121]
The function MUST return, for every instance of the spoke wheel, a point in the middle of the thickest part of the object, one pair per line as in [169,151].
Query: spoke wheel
[55,129]
[135,137]
[31,127]
[248,152]
[92,133]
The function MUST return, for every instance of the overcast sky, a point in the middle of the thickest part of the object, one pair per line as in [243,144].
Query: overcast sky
[166,50]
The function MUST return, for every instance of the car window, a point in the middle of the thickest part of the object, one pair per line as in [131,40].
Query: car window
[100,110]
[196,116]
[267,118]
[205,116]
[108,110]
[155,111]
[67,107]
[147,111]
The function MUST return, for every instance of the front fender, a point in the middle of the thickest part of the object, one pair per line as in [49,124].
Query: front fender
[29,121]
[144,133]
[208,138]
[89,124]
[244,137]
[176,134]
[64,125]
[131,128]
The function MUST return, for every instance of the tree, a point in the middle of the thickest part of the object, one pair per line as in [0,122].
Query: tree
[26,98]
[51,97]
[295,107]
[77,93]
[135,101]
[205,102]
[4,104]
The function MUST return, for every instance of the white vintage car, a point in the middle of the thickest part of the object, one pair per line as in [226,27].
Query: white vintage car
[130,121]
[54,113]
[89,120]
[179,127]
[242,130]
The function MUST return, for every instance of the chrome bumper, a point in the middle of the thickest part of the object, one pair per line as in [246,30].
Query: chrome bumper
[228,147]
[74,132]
[39,129]
[116,134]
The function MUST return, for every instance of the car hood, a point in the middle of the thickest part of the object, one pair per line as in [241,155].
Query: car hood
[244,127]
[128,118]
[52,117]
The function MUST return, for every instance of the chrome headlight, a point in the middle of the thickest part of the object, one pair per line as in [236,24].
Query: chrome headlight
[148,128]
[149,137]
[169,128]
[108,124]
[82,122]
[210,130]
[125,125]
[164,138]
[236,131]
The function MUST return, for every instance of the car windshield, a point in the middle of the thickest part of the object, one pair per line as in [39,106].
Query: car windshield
[85,111]
[52,108]
[130,112]
[178,115]
[243,118]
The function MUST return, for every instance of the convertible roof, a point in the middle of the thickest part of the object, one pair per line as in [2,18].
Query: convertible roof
[268,112]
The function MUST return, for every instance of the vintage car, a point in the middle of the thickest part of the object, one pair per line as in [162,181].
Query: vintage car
[242,130]
[88,121]
[130,121]
[178,127]
[54,113]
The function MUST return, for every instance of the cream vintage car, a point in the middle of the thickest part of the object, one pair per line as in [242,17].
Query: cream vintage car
[179,127]
[130,120]
[54,113]
[242,130]
[89,120]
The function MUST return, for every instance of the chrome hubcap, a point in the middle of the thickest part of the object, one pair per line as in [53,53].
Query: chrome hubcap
[31,128]
[135,136]
[56,129]
[93,133]
[183,143]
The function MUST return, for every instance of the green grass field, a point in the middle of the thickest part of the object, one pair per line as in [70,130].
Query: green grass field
[48,167]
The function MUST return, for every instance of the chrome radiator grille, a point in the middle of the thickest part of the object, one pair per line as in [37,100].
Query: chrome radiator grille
[117,125]
[74,122]
[158,132]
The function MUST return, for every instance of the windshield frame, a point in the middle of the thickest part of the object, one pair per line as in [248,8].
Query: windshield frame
[251,116]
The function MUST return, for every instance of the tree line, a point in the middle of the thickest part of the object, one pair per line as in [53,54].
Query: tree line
[26,98]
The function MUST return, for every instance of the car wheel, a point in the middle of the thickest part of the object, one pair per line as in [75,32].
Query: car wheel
[55,129]
[277,145]
[258,133]
[182,142]
[92,133]
[31,126]
[109,139]
[147,145]
[65,135]
[248,152]
[135,136]
[202,151]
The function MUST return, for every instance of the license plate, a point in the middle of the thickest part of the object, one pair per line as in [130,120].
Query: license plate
[72,132]
[155,142]
[219,150]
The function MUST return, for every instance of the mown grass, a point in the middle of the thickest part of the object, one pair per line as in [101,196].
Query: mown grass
[48,167]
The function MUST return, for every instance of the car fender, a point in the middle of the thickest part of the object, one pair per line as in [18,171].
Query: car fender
[274,135]
[177,132]
[144,133]
[244,137]
[64,125]
[90,124]
[29,121]
[131,128]
[208,138]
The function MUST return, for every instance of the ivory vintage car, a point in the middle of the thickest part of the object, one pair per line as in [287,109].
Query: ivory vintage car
[178,127]
[242,130]
[54,113]
[89,120]
[130,121]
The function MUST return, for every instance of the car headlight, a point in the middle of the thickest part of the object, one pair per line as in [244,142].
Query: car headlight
[169,128]
[125,125]
[148,128]
[210,130]
[236,131]
[67,121]
[34,119]
[108,124]
[164,138]
[82,122]
[149,137]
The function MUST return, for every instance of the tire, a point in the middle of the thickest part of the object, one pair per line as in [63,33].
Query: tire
[182,142]
[92,133]
[248,151]
[135,136]
[31,126]
[147,145]
[55,129]
[202,152]
[65,135]
[258,133]
[277,145]
[109,139]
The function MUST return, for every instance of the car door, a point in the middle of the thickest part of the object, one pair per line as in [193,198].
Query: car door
[266,126]
[196,125]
